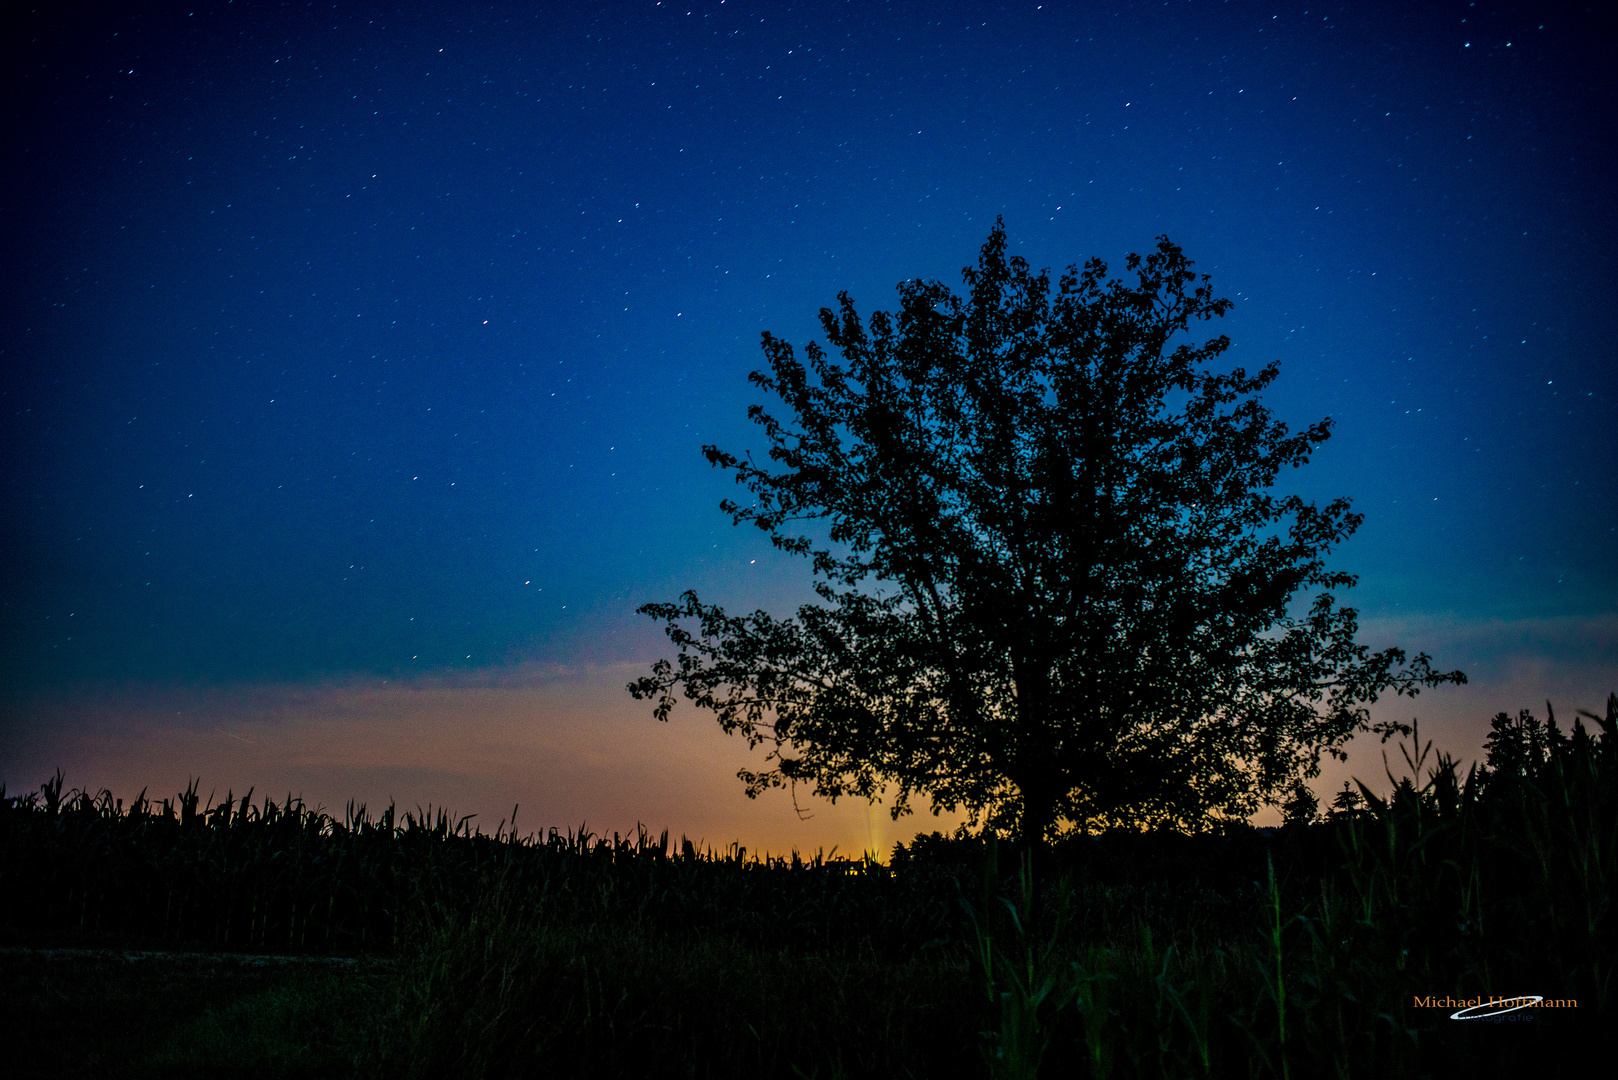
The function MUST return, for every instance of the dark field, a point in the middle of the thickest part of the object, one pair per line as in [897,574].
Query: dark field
[105,1012]
[180,939]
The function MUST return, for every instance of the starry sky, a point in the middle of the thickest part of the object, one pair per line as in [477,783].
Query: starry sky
[355,358]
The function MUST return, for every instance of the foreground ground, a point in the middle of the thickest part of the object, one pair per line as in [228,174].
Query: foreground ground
[117,1013]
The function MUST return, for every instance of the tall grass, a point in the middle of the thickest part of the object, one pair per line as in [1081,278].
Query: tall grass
[1498,884]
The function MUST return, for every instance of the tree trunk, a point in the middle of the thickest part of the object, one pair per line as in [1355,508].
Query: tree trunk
[1034,779]
[1033,827]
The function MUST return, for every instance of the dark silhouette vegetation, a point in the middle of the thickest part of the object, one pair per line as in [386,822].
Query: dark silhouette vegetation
[1305,950]
[1058,591]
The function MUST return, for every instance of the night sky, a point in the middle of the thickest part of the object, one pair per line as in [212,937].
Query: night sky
[355,359]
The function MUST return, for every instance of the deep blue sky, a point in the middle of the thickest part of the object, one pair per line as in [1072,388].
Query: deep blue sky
[352,339]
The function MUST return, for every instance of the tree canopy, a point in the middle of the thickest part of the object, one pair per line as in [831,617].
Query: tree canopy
[1057,589]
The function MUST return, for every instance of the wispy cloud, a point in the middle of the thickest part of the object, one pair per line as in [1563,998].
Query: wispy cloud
[1510,664]
[565,742]
[568,744]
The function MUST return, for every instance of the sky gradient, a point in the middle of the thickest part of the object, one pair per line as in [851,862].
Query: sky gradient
[355,359]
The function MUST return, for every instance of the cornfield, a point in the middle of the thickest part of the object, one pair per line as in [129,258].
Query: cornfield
[1328,947]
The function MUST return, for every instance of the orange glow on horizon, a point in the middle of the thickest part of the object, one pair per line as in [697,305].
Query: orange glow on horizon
[570,748]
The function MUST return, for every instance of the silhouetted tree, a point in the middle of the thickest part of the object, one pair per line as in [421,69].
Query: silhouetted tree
[1057,588]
